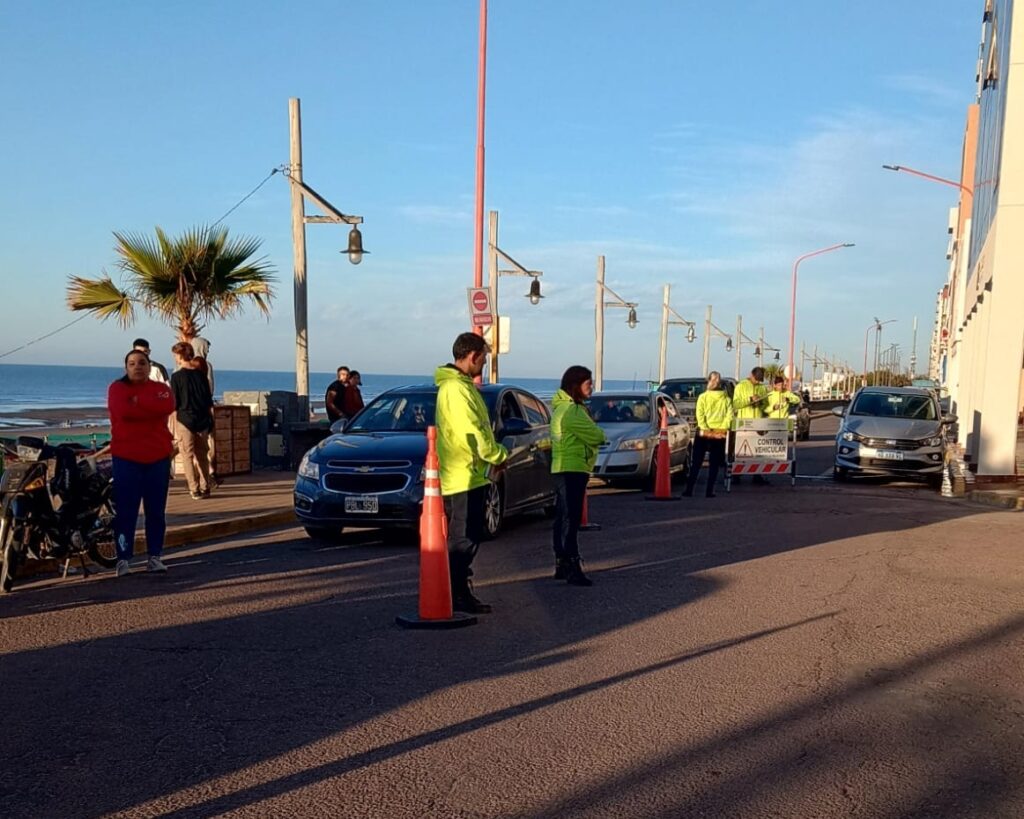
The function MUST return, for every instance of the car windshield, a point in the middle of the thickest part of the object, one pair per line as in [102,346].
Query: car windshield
[396,412]
[895,405]
[684,390]
[618,409]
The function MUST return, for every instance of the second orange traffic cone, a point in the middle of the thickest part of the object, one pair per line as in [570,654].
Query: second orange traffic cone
[662,461]
[435,606]
[585,524]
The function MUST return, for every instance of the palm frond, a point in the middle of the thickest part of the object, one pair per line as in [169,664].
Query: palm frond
[101,297]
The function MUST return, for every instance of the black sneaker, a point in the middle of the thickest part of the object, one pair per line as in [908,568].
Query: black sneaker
[575,576]
[469,603]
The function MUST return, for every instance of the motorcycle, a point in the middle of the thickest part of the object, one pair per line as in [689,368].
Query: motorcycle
[67,516]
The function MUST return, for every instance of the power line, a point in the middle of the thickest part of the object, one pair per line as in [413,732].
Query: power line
[86,315]
[52,333]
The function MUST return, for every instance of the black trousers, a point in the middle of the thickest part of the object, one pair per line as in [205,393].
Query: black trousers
[467,527]
[714,448]
[570,489]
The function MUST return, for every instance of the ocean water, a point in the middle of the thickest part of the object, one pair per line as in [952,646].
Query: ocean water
[26,387]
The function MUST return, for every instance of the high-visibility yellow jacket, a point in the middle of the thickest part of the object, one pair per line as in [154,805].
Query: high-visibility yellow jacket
[574,436]
[465,440]
[714,411]
[744,399]
[781,403]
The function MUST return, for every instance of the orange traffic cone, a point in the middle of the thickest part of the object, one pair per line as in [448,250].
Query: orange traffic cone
[585,524]
[662,459]
[435,609]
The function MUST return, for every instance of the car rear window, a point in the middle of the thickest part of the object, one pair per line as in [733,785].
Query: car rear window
[613,409]
[683,390]
[895,405]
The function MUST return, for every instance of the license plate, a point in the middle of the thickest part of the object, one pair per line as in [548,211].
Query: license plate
[362,504]
[889,455]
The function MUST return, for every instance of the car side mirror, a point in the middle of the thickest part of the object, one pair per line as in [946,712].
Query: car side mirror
[338,426]
[839,412]
[514,426]
[949,418]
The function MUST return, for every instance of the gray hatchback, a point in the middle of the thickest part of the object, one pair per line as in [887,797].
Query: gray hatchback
[896,431]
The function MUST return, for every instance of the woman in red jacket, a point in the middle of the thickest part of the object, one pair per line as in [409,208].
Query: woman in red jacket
[141,445]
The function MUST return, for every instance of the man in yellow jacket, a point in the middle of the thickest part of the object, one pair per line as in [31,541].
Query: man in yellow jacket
[466,449]
[748,399]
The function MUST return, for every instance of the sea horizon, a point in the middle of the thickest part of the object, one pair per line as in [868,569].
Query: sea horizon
[28,388]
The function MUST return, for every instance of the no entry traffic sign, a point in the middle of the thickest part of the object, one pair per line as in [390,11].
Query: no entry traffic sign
[480,306]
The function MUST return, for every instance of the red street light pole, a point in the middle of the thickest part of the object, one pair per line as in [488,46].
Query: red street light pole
[792,306]
[923,175]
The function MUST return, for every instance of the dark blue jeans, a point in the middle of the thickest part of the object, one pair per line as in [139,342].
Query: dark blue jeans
[570,488]
[136,483]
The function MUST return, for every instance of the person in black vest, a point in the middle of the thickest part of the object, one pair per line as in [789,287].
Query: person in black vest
[334,400]
[194,418]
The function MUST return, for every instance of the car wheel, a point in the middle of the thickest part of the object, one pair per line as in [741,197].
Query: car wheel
[840,473]
[331,534]
[494,509]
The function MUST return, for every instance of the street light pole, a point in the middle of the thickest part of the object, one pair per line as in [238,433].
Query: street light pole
[707,341]
[666,321]
[599,305]
[933,178]
[300,192]
[494,274]
[792,307]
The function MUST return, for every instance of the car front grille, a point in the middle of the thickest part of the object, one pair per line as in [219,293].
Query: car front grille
[368,465]
[891,443]
[358,483]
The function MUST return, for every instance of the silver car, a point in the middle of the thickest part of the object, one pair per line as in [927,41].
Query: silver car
[895,431]
[631,421]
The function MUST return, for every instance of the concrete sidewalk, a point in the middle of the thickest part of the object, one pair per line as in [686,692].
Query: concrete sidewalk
[243,503]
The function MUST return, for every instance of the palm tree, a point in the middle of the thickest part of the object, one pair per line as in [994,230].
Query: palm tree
[772,370]
[185,281]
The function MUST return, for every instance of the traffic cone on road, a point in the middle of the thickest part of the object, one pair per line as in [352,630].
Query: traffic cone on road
[662,459]
[585,524]
[435,607]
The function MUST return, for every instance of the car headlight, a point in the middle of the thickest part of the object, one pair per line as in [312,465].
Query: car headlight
[851,436]
[633,444]
[309,468]
[934,441]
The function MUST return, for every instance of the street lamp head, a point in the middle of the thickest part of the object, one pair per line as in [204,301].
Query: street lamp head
[891,167]
[849,244]
[534,295]
[757,350]
[691,334]
[631,320]
[776,355]
[355,245]
[728,345]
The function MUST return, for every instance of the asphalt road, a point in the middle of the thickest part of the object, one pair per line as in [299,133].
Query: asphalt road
[823,651]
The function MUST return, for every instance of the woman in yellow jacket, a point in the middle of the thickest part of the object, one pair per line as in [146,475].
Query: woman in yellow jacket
[714,419]
[574,442]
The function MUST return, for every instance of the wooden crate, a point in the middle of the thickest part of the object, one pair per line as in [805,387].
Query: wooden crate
[231,436]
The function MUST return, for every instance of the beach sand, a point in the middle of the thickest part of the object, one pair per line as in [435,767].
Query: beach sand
[68,421]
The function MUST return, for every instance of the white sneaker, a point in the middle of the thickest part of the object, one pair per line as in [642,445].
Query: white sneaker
[123,568]
[155,564]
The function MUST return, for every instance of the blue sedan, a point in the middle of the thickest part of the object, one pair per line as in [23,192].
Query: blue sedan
[371,473]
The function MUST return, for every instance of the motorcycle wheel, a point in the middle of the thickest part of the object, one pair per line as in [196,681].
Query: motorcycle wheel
[8,553]
[102,550]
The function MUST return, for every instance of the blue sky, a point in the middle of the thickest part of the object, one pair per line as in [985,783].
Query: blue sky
[705,145]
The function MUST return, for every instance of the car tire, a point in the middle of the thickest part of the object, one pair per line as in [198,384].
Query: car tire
[840,474]
[494,509]
[330,534]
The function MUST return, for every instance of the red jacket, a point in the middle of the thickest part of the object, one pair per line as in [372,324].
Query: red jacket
[352,401]
[138,421]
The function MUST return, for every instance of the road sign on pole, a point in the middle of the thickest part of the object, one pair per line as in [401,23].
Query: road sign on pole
[480,311]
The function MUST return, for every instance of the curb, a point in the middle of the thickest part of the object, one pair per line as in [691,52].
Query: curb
[187,535]
[999,500]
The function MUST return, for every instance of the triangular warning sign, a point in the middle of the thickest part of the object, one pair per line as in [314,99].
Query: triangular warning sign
[745,451]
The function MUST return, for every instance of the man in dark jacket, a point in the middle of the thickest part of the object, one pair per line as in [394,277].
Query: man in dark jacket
[194,420]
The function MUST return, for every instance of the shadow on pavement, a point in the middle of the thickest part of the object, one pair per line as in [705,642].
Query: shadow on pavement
[167,690]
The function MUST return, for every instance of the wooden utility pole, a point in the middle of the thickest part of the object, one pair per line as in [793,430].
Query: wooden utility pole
[663,351]
[599,327]
[707,341]
[299,254]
